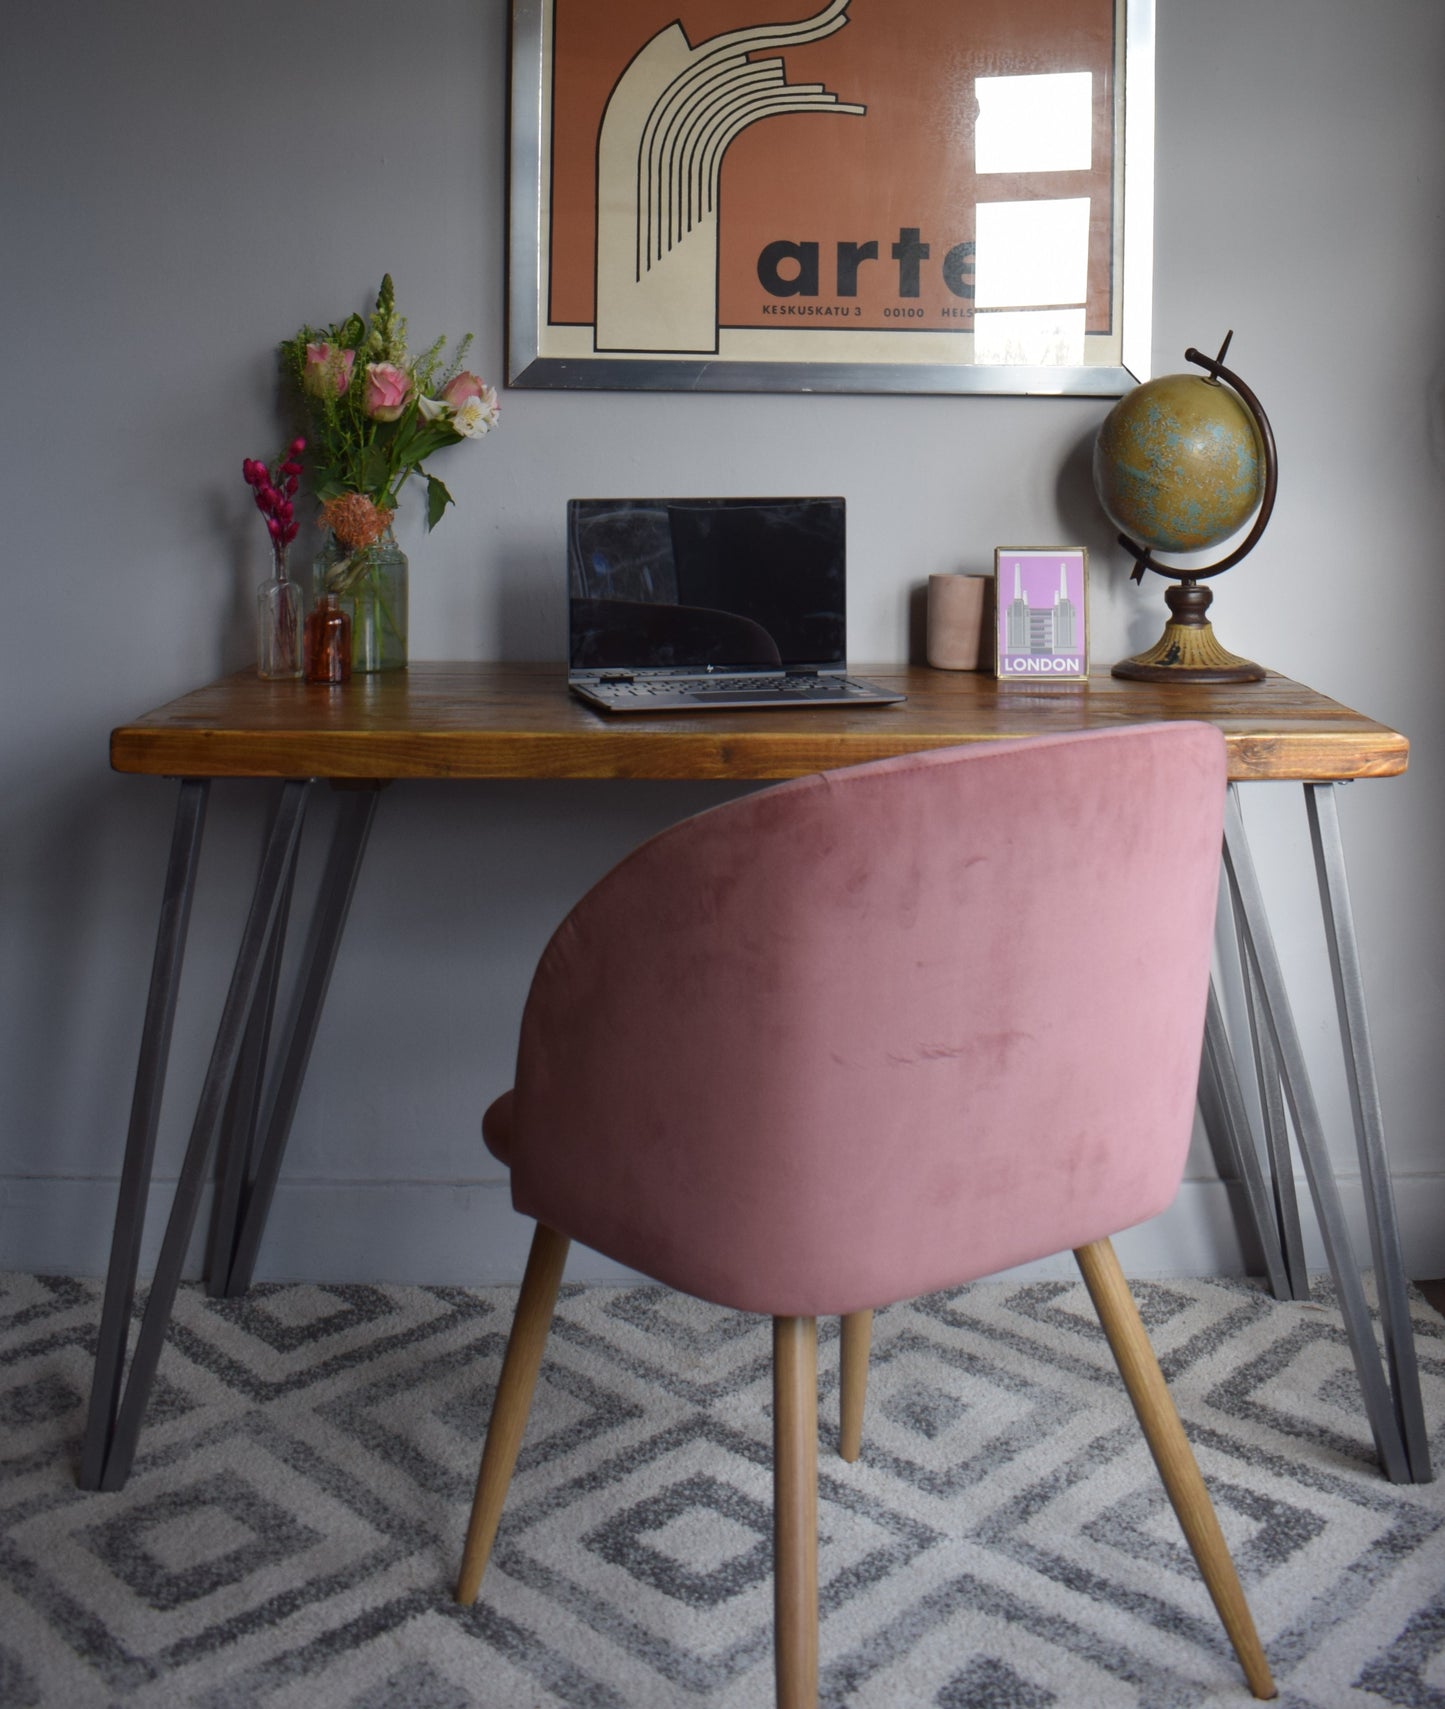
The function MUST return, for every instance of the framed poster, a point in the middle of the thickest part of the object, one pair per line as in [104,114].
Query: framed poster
[1041,605]
[831,195]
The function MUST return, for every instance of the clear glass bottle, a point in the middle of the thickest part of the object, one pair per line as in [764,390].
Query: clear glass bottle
[328,641]
[278,622]
[372,583]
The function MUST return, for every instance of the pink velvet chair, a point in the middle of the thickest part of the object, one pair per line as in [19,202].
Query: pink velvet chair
[862,1036]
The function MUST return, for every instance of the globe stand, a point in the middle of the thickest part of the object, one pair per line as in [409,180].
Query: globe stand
[1188,651]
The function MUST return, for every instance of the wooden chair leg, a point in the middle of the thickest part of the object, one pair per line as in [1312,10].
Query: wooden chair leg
[512,1403]
[853,1381]
[1134,1355]
[795,1509]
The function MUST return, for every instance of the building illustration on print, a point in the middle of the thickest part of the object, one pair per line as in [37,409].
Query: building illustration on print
[660,150]
[1043,626]
[1037,629]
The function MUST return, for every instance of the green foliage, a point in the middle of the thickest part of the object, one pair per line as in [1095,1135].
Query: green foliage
[385,339]
[350,449]
[437,500]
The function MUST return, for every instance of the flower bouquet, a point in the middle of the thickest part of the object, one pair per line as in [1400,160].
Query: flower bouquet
[376,415]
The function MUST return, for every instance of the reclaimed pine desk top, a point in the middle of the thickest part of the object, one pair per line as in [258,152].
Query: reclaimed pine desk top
[468,720]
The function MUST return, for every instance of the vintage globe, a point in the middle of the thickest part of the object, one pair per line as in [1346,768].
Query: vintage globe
[1178,464]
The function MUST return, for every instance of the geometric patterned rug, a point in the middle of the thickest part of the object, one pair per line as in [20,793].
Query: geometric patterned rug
[291,1531]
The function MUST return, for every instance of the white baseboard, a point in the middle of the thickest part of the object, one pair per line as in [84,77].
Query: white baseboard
[467,1234]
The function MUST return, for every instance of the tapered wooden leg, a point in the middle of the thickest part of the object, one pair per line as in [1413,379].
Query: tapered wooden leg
[512,1402]
[853,1381]
[1134,1355]
[795,1509]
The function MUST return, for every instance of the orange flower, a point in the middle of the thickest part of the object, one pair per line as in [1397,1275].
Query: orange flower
[355,520]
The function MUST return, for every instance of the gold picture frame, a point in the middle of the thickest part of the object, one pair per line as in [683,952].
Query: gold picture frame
[1041,613]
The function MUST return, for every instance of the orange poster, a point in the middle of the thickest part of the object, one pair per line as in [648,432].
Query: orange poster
[844,186]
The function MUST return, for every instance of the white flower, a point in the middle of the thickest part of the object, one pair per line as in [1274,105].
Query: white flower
[477,415]
[433,409]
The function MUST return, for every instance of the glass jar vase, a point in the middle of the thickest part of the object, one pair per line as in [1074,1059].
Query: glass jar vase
[370,584]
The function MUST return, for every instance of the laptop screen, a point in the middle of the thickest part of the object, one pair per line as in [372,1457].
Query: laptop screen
[711,583]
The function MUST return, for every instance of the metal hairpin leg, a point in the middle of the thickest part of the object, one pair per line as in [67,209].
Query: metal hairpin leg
[1276,1127]
[150,1078]
[1322,805]
[1227,1121]
[113,1430]
[1258,949]
[238,1129]
[353,827]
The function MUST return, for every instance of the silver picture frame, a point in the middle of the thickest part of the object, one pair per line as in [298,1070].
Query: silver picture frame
[546,354]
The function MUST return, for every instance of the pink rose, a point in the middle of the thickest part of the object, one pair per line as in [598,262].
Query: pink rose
[328,371]
[388,389]
[464,386]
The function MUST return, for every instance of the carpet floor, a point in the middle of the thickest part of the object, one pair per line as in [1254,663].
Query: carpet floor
[293,1524]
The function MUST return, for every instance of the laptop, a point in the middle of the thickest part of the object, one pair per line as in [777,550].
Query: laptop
[685,605]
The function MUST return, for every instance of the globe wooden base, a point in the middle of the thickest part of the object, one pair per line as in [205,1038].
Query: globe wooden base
[1188,652]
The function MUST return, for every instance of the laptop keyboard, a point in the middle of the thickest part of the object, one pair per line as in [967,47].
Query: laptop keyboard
[679,693]
[765,685]
[734,687]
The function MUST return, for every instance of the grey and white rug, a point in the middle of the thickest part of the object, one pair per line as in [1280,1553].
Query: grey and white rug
[292,1528]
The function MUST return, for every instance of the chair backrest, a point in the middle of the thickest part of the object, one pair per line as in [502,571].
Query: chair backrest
[885,1029]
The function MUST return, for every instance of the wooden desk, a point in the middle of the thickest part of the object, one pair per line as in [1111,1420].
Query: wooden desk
[473,721]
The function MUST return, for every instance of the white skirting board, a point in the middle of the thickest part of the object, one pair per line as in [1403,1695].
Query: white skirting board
[465,1233]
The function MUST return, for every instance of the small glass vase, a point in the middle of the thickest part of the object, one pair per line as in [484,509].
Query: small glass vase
[371,584]
[328,641]
[278,622]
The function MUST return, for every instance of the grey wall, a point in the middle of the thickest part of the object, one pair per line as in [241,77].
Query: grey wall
[179,197]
